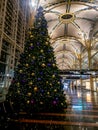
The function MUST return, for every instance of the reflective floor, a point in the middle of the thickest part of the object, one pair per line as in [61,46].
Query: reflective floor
[81,114]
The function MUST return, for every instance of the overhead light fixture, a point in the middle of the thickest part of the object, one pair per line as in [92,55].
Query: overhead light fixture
[67,17]
[33,3]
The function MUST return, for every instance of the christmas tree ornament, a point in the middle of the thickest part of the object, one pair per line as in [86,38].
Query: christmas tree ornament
[41,103]
[41,73]
[43,65]
[18,91]
[27,65]
[47,43]
[20,71]
[53,65]
[33,57]
[42,91]
[47,82]
[41,51]
[54,102]
[28,102]
[32,101]
[38,43]
[55,90]
[48,93]
[58,82]
[49,60]
[35,88]
[31,36]
[50,84]
[33,74]
[29,94]
[30,83]
[49,64]
[18,84]
[32,47]
[39,79]
[31,44]
[62,104]
[53,76]
[48,39]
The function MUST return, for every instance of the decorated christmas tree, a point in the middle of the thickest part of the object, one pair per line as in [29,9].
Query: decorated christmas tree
[37,86]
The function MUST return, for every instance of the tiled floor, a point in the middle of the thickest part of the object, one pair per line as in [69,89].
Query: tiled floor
[81,114]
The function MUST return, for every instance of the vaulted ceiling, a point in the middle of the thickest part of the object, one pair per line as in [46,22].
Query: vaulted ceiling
[73,28]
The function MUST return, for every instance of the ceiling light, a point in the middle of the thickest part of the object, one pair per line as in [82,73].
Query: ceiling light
[33,3]
[67,17]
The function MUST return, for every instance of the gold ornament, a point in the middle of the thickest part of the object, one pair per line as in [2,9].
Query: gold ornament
[20,71]
[18,91]
[35,88]
[31,36]
[29,94]
[41,51]
[48,39]
[54,65]
[18,84]
[33,74]
[30,83]
[62,104]
[27,65]
[46,43]
[43,65]
[46,82]
[31,44]
[33,57]
[58,82]
[48,93]
[28,102]
[53,76]
[41,103]
[49,60]
[55,90]
[50,84]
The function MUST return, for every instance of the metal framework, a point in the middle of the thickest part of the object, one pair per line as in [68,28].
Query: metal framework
[14,22]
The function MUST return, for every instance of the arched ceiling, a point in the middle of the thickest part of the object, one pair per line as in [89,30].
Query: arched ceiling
[73,28]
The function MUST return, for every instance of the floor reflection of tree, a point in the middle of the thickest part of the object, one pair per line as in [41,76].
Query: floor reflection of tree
[14,122]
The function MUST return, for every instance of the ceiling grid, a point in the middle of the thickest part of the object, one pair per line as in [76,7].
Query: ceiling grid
[73,28]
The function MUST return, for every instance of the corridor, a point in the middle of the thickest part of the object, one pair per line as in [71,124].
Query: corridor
[81,114]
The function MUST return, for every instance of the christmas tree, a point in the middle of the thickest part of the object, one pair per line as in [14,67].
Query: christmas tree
[37,84]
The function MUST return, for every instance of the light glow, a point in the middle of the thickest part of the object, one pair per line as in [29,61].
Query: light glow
[33,3]
[88,97]
[79,94]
